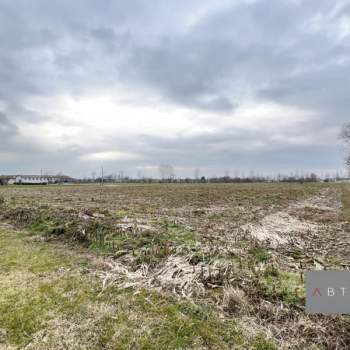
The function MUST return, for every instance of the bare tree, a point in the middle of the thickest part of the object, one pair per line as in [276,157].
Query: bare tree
[196,173]
[166,172]
[345,136]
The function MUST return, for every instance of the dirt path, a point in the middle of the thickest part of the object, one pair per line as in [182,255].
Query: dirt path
[314,226]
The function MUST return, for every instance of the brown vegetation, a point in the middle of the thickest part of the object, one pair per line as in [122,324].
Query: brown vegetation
[239,248]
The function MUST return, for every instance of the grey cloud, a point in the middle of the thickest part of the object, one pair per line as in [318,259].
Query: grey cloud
[7,129]
[241,47]
[234,151]
[268,49]
[323,91]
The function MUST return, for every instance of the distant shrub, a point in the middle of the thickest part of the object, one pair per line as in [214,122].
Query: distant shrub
[47,227]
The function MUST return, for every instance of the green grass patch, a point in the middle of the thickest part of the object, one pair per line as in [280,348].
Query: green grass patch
[179,234]
[161,322]
[25,310]
[261,343]
[50,300]
[281,285]
[18,254]
[259,254]
[42,226]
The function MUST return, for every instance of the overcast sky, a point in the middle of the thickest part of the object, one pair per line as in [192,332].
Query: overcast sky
[215,85]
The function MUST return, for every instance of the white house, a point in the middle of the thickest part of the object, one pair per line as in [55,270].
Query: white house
[34,179]
[31,179]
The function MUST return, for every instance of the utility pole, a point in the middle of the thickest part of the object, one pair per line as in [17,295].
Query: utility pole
[102,176]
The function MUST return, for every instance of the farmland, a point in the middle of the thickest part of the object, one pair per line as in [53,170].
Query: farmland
[169,266]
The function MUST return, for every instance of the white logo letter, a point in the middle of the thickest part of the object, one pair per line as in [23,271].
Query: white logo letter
[331,292]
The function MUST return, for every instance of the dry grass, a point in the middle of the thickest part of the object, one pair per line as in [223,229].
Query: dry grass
[197,266]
